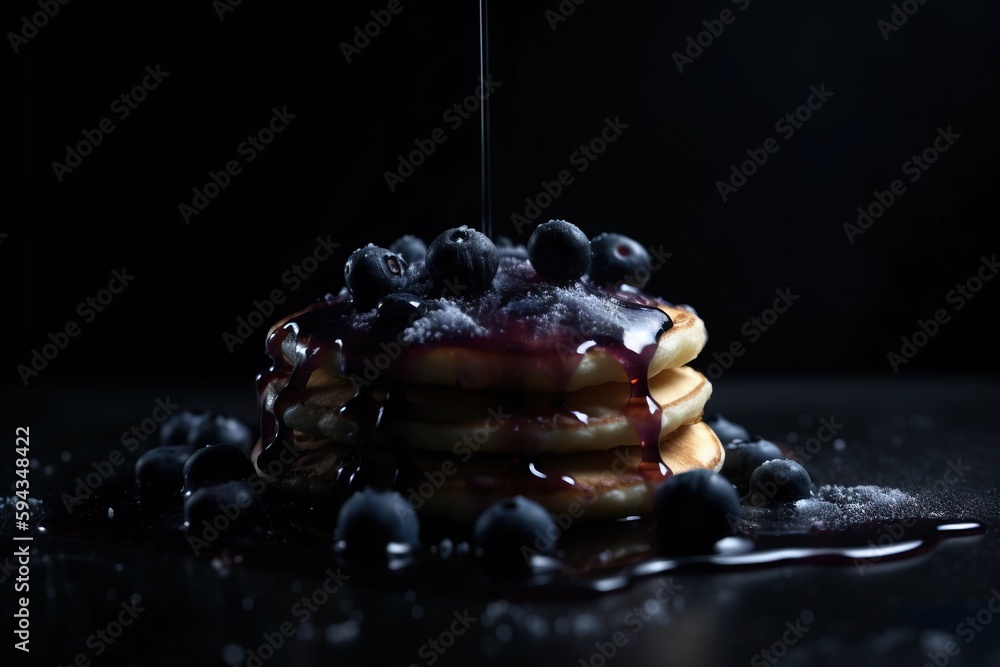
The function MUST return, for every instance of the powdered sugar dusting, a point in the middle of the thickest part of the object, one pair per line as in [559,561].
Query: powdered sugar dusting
[521,308]
[835,507]
[447,319]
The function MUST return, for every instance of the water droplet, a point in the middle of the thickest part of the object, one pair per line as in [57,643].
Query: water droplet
[342,633]
[233,654]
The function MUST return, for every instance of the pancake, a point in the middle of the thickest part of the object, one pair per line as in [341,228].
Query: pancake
[537,369]
[457,486]
[585,420]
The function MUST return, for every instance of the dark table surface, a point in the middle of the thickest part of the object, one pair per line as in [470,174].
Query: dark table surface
[904,433]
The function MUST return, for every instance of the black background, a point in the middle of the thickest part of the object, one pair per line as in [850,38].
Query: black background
[324,175]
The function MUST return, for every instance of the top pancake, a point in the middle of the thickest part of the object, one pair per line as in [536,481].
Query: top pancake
[455,366]
[524,333]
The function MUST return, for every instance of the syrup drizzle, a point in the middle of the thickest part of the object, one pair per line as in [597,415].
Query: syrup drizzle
[484,120]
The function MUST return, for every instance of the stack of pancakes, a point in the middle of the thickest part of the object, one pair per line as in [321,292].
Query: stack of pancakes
[531,390]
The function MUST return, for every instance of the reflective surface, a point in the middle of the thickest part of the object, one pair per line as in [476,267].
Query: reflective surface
[931,442]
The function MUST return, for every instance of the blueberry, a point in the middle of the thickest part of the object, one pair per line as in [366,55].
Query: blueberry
[779,481]
[509,531]
[742,458]
[462,259]
[726,430]
[159,473]
[411,248]
[695,509]
[371,273]
[619,259]
[176,430]
[401,308]
[228,509]
[216,464]
[559,251]
[222,430]
[372,518]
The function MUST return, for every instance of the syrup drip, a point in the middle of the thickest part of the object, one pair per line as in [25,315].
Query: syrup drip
[484,119]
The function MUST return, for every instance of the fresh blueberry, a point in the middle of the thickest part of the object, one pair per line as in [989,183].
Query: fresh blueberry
[778,481]
[222,430]
[743,458]
[372,518]
[619,259]
[177,429]
[412,248]
[695,509]
[216,464]
[371,273]
[401,308]
[159,473]
[224,510]
[559,251]
[509,531]
[726,430]
[462,260]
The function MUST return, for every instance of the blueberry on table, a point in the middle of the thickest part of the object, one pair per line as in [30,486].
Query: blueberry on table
[510,531]
[177,429]
[223,510]
[743,458]
[216,464]
[371,273]
[462,262]
[159,473]
[559,251]
[725,429]
[779,481]
[695,509]
[371,519]
[222,430]
[410,247]
[618,259]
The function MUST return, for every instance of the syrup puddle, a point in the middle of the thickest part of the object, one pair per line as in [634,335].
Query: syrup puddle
[596,557]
